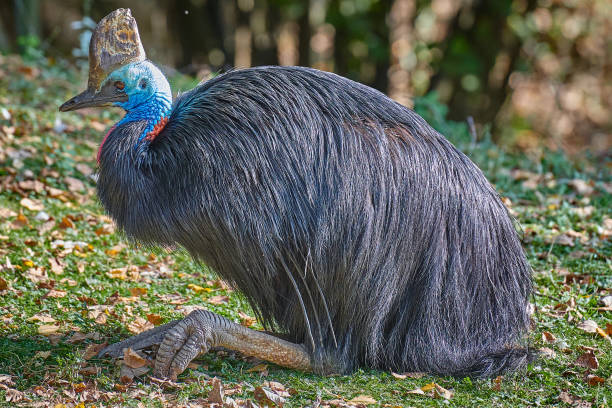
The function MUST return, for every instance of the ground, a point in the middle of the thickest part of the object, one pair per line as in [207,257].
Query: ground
[69,281]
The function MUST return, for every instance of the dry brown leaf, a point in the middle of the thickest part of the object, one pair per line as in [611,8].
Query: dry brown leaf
[155,319]
[582,187]
[497,381]
[105,229]
[20,221]
[93,349]
[548,352]
[112,252]
[594,380]
[268,397]
[138,291]
[56,293]
[3,284]
[246,320]
[218,299]
[84,169]
[31,185]
[564,239]
[74,184]
[132,359]
[57,266]
[216,394]
[7,212]
[46,329]
[362,399]
[589,326]
[138,325]
[41,318]
[119,273]
[127,373]
[89,371]
[32,204]
[588,360]
[548,337]
[66,223]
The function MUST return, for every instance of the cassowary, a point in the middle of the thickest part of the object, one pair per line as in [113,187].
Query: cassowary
[356,232]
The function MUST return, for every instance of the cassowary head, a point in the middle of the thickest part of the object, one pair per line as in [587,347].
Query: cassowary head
[119,75]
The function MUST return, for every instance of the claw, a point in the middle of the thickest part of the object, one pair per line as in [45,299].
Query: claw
[182,343]
[139,342]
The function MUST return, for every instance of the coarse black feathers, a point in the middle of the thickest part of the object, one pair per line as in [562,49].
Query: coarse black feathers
[348,223]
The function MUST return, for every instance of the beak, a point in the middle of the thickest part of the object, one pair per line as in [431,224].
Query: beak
[90,98]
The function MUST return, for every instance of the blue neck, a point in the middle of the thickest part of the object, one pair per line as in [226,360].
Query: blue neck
[156,108]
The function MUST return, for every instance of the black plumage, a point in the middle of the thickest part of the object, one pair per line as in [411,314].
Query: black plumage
[349,224]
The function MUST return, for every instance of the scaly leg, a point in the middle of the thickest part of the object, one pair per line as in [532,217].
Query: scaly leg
[183,340]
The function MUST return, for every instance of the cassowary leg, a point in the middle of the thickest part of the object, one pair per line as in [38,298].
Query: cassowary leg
[183,340]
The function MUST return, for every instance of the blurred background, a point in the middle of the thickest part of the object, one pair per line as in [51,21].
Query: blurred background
[535,73]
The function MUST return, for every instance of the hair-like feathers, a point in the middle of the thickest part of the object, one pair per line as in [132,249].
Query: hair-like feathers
[347,221]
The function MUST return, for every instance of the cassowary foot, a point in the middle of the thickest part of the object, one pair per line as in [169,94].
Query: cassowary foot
[183,340]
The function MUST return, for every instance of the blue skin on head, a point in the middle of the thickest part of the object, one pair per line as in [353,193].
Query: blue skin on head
[149,94]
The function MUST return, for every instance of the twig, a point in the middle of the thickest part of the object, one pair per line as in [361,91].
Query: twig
[535,292]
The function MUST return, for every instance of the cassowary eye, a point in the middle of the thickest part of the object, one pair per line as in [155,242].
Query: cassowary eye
[119,85]
[143,84]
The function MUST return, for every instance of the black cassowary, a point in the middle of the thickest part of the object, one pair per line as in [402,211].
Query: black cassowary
[355,230]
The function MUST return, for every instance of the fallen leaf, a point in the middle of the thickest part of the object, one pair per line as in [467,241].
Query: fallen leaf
[7,212]
[3,284]
[119,273]
[112,252]
[564,239]
[268,397]
[57,267]
[155,319]
[46,329]
[56,293]
[138,325]
[66,223]
[594,380]
[138,291]
[132,359]
[218,299]
[74,184]
[582,187]
[84,169]
[195,288]
[216,394]
[548,352]
[20,221]
[41,318]
[127,373]
[89,371]
[363,399]
[548,337]
[497,383]
[587,360]
[42,354]
[93,349]
[31,204]
[246,320]
[589,326]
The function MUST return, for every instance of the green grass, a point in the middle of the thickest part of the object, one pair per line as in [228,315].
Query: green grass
[47,369]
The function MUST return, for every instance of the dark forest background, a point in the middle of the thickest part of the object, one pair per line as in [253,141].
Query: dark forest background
[537,73]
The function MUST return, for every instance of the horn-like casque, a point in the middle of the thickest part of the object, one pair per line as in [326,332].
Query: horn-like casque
[114,43]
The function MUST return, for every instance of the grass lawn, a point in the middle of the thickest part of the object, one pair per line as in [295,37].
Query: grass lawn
[69,281]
